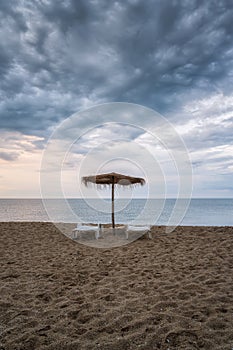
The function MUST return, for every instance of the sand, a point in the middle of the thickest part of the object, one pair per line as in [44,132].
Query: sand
[172,292]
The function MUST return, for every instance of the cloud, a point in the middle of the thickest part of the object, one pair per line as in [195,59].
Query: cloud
[209,122]
[8,156]
[57,56]
[14,144]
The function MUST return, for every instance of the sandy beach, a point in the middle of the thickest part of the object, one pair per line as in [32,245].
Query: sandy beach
[172,292]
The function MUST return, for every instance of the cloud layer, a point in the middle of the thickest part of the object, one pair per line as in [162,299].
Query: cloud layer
[173,56]
[58,57]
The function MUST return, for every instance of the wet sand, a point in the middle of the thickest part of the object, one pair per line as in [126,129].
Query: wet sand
[172,292]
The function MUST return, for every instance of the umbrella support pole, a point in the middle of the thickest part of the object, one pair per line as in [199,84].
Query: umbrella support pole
[112,179]
[113,218]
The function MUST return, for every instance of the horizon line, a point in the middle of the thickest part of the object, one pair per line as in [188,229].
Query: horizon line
[117,198]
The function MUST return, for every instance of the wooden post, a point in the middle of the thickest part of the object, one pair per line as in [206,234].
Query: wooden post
[113,219]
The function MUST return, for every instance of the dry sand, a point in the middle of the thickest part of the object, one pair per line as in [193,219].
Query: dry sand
[172,292]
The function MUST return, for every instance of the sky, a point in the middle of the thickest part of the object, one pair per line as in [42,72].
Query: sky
[63,57]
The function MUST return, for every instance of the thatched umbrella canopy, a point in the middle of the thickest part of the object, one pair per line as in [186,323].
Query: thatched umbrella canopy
[112,179]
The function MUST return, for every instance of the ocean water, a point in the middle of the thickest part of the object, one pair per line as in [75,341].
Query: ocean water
[201,212]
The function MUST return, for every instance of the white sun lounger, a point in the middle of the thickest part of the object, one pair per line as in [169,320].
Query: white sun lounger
[86,228]
[138,228]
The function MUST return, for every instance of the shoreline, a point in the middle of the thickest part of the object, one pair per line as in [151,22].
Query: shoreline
[174,291]
[107,225]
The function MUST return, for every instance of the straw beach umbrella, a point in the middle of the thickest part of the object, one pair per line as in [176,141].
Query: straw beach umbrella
[112,179]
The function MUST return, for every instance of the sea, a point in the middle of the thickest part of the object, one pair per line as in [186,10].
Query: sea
[199,212]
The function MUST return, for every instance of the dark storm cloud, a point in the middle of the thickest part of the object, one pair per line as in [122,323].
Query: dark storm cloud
[58,57]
